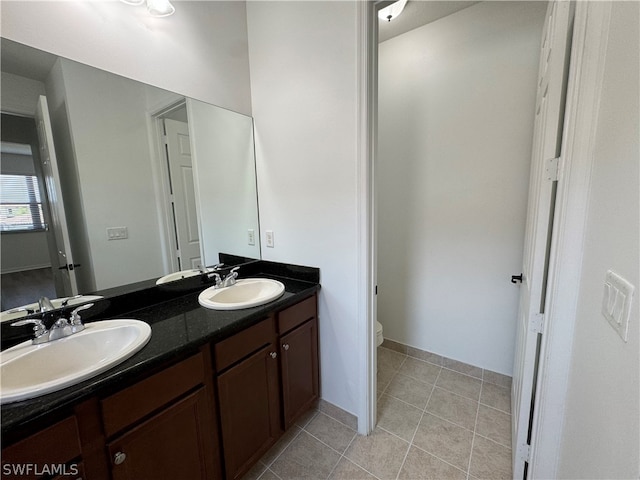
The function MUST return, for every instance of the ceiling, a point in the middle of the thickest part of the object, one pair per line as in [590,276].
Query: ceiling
[416,14]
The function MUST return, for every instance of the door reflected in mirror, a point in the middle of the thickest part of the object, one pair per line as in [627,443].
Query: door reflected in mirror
[151,182]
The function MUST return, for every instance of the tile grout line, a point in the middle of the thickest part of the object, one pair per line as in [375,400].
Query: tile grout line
[404,460]
[349,460]
[473,439]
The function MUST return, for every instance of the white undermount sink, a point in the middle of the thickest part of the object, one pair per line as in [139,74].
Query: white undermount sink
[172,277]
[28,371]
[25,310]
[246,293]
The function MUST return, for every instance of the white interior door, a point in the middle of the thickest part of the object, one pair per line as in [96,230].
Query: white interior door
[61,256]
[183,193]
[550,99]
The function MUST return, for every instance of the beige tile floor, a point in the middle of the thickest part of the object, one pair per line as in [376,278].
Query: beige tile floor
[434,422]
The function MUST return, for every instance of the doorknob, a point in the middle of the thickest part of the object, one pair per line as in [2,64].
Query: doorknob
[516,278]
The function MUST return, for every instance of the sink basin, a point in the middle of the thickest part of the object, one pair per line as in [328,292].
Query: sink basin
[19,312]
[172,277]
[246,293]
[28,370]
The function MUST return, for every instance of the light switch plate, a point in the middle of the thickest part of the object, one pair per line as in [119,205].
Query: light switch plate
[117,233]
[269,235]
[616,302]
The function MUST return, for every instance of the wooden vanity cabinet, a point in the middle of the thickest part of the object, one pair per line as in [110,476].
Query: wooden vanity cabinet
[164,427]
[248,396]
[298,344]
[51,452]
[267,376]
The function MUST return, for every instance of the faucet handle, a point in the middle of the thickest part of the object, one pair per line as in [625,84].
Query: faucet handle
[75,319]
[39,327]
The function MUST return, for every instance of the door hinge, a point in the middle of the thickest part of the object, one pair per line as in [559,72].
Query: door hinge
[551,169]
[165,140]
[524,452]
[536,323]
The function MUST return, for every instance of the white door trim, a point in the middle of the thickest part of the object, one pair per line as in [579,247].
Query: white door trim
[587,64]
[367,107]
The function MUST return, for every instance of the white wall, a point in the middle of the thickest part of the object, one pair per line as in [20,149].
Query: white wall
[600,436]
[200,51]
[303,83]
[224,170]
[108,153]
[456,110]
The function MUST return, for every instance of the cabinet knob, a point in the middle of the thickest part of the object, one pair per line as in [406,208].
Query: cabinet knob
[285,346]
[273,354]
[119,458]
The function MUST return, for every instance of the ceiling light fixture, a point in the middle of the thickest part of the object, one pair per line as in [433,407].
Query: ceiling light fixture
[392,11]
[156,8]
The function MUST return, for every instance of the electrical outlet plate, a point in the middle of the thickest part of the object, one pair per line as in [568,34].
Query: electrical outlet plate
[616,302]
[251,237]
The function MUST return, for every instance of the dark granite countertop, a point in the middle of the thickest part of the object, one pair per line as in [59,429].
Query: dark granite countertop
[180,327]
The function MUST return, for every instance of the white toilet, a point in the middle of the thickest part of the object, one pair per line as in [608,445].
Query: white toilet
[379,338]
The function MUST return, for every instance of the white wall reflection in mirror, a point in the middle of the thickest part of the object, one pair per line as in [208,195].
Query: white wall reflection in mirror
[127,153]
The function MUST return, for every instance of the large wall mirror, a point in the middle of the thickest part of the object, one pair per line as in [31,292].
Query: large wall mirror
[152,182]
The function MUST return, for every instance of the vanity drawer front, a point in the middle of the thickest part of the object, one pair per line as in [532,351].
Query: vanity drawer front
[55,445]
[244,343]
[297,314]
[131,404]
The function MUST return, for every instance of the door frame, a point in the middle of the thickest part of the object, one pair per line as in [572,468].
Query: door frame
[161,181]
[588,54]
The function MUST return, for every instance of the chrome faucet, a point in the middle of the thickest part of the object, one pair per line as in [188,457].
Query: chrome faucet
[231,278]
[60,329]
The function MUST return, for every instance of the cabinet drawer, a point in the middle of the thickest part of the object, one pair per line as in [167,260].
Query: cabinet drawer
[134,403]
[244,343]
[297,314]
[55,445]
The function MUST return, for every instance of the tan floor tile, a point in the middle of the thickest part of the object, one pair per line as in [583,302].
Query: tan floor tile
[420,370]
[307,458]
[398,417]
[331,432]
[282,443]
[255,472]
[421,465]
[383,377]
[462,367]
[461,384]
[494,424]
[347,470]
[389,358]
[445,440]
[459,410]
[305,418]
[496,397]
[381,453]
[490,460]
[269,475]
[496,378]
[409,390]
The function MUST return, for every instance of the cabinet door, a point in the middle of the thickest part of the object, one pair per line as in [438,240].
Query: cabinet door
[299,358]
[249,410]
[175,443]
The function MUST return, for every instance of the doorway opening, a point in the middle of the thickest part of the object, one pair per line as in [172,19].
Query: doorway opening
[27,273]
[177,188]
